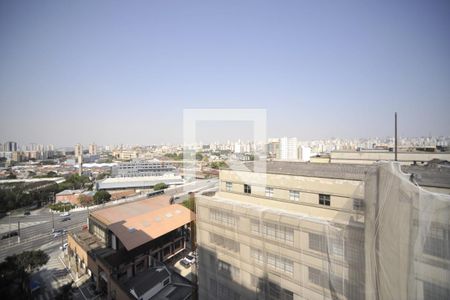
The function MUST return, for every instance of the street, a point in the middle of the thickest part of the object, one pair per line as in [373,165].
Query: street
[36,229]
[36,232]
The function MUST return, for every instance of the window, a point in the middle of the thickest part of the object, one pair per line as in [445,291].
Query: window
[257,255]
[317,242]
[358,204]
[228,186]
[278,232]
[273,291]
[438,241]
[224,242]
[224,292]
[166,282]
[336,247]
[294,195]
[280,263]
[324,199]
[315,276]
[222,217]
[247,189]
[213,286]
[269,192]
[435,292]
[226,269]
[255,226]
[326,280]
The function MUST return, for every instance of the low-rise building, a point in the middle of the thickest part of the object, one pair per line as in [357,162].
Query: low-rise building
[142,168]
[372,156]
[69,196]
[146,182]
[125,246]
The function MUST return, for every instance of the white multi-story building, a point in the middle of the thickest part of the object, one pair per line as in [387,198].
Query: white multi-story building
[78,150]
[93,149]
[288,148]
[304,153]
[142,168]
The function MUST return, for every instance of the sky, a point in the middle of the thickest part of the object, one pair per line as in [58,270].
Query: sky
[115,72]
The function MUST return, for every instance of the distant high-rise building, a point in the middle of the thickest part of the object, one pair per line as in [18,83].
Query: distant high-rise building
[237,147]
[304,153]
[78,150]
[273,148]
[93,149]
[10,146]
[288,148]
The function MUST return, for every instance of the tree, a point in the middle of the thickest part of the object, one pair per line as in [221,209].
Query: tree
[198,156]
[15,273]
[85,200]
[160,186]
[190,202]
[101,197]
[65,292]
[218,165]
[11,176]
[52,174]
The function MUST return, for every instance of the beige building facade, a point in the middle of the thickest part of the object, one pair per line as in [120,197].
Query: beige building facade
[296,231]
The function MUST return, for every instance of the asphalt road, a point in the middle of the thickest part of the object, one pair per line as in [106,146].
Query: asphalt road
[36,229]
[34,236]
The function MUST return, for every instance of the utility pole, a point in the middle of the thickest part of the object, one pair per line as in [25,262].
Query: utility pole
[53,222]
[18,232]
[396,136]
[9,233]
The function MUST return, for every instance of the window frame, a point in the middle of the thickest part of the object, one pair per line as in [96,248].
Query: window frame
[247,189]
[269,192]
[325,199]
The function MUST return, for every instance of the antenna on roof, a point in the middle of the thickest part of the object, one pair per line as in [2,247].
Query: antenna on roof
[395,136]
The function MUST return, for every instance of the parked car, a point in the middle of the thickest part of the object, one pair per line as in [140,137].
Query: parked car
[185,263]
[190,258]
[64,214]
[63,247]
[59,232]
[27,213]
[10,234]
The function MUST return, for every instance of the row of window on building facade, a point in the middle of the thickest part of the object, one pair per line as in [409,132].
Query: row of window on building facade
[323,199]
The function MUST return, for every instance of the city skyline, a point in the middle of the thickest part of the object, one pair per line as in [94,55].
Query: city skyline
[83,72]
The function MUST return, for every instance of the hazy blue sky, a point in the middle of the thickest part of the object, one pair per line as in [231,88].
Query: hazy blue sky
[122,72]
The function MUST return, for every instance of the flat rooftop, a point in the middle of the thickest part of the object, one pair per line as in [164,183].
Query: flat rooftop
[117,213]
[297,168]
[139,222]
[140,229]
[435,174]
[138,181]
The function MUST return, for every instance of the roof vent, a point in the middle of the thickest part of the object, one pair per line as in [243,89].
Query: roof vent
[132,229]
[169,215]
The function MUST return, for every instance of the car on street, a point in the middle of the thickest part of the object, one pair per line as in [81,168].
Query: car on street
[65,219]
[63,247]
[27,213]
[64,214]
[59,232]
[185,263]
[10,234]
